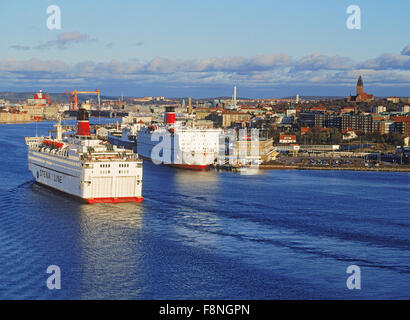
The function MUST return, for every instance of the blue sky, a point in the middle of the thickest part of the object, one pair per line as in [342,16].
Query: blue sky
[202,48]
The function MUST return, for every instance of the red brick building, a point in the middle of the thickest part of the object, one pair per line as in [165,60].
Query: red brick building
[403,124]
[360,96]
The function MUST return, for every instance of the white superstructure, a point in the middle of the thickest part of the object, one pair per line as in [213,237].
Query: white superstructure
[86,167]
[175,145]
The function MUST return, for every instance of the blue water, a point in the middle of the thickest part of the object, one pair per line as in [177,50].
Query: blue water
[205,235]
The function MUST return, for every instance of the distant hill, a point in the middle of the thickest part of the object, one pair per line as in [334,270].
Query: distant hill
[14,97]
[316,97]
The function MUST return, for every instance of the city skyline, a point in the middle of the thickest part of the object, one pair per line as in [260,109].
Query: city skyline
[266,48]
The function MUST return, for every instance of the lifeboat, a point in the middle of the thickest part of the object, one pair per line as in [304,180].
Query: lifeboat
[53,144]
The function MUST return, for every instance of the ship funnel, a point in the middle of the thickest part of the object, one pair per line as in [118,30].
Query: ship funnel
[169,116]
[83,126]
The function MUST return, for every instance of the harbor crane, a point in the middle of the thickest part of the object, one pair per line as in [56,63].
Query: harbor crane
[69,98]
[49,100]
[75,93]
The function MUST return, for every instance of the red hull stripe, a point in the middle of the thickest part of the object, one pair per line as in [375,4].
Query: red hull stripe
[114,200]
[190,167]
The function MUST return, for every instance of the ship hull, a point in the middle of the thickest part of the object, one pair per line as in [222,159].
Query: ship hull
[69,176]
[192,150]
[46,174]
[205,167]
[92,201]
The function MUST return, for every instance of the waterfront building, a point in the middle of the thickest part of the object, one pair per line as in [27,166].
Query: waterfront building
[8,117]
[256,151]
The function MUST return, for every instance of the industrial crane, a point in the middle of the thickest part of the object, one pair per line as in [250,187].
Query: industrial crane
[49,100]
[65,93]
[68,96]
[76,92]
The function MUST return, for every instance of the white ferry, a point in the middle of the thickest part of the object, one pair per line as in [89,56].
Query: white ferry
[179,146]
[84,166]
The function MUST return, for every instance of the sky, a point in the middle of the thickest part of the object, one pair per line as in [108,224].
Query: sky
[195,48]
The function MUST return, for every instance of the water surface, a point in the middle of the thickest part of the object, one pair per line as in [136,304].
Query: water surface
[205,235]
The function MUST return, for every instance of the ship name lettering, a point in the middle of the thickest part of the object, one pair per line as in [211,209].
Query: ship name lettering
[58,178]
[44,174]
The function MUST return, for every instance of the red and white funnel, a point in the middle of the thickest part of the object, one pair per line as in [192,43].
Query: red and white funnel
[169,116]
[83,126]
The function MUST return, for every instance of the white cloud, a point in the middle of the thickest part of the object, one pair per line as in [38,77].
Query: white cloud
[62,41]
[257,71]
[387,61]
[20,47]
[319,61]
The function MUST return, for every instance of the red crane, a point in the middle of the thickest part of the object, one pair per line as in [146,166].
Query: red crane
[69,98]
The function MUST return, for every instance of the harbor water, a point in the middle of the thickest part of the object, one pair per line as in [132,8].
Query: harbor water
[205,235]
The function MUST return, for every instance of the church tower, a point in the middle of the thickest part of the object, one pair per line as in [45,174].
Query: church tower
[359,86]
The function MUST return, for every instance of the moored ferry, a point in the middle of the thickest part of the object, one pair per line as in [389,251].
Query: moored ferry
[176,145]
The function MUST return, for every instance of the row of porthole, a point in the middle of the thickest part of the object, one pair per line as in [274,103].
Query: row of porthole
[108,171]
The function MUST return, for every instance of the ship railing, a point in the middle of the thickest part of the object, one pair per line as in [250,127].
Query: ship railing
[33,141]
[52,151]
[109,157]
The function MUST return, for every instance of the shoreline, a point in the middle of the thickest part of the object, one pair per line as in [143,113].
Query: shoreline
[285,167]
[17,122]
